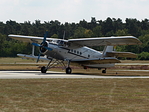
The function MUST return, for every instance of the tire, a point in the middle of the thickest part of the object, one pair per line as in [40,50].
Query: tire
[68,70]
[103,71]
[43,69]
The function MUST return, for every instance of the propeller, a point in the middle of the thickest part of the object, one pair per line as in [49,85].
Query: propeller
[39,45]
[38,57]
[43,46]
[45,36]
[35,44]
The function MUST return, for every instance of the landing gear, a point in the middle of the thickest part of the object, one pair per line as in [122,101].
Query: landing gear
[43,69]
[68,70]
[52,63]
[104,71]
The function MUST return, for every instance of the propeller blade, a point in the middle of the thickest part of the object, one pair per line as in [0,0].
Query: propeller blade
[45,36]
[35,44]
[48,48]
[38,58]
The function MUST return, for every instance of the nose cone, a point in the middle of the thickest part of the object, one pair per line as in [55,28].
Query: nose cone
[43,47]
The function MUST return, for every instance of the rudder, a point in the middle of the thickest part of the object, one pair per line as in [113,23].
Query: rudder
[107,49]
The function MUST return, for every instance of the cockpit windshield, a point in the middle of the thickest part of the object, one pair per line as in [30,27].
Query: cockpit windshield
[55,42]
[60,43]
[64,43]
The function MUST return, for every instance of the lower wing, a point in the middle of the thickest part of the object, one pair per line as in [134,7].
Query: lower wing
[105,60]
[31,57]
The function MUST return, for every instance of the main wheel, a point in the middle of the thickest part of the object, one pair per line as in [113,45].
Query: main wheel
[68,70]
[43,69]
[103,71]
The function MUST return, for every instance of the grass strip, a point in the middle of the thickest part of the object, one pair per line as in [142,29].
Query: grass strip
[74,95]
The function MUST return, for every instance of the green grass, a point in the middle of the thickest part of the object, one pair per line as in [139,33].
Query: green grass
[74,95]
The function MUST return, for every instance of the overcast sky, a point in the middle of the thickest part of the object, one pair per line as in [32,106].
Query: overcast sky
[72,10]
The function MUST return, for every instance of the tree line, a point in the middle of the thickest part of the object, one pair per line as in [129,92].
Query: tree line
[83,29]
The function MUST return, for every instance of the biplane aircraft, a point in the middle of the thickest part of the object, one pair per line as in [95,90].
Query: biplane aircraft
[65,52]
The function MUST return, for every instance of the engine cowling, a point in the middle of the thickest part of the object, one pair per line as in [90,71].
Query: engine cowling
[43,47]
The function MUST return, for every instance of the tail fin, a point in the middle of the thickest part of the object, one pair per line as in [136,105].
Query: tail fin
[107,49]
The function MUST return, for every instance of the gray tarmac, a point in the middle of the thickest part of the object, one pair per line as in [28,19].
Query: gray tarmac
[52,74]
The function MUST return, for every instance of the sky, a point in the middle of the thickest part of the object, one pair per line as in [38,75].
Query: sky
[72,10]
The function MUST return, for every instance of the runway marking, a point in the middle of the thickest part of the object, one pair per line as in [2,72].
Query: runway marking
[52,74]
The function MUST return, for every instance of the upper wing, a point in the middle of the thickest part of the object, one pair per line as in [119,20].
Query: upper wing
[110,41]
[29,39]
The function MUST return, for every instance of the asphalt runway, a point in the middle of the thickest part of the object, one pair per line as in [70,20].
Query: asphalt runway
[51,74]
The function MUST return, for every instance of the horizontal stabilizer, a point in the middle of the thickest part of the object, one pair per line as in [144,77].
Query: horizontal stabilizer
[121,54]
[31,57]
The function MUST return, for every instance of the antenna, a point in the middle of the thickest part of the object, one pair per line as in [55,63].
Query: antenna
[64,35]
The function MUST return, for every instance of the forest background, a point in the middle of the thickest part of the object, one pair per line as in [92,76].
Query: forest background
[83,29]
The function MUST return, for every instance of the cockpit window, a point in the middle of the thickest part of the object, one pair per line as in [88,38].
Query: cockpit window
[58,41]
[55,42]
[63,43]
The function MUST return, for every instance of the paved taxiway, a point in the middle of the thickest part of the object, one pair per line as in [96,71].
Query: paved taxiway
[51,74]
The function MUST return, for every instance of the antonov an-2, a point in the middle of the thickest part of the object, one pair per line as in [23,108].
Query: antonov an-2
[58,51]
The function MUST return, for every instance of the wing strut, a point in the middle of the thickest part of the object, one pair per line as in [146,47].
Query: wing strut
[33,50]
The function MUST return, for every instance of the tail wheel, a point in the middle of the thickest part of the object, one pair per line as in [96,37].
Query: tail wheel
[68,70]
[103,71]
[43,69]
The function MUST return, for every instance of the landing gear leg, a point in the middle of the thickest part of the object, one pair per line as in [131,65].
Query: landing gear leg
[68,69]
[55,63]
[44,69]
[104,71]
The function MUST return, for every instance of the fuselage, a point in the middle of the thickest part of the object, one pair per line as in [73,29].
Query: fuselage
[63,51]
